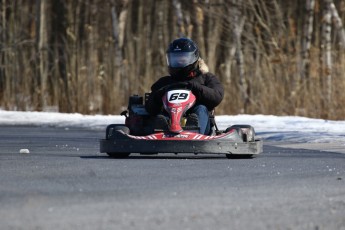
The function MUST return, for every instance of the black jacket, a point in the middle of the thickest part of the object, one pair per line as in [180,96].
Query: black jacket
[206,87]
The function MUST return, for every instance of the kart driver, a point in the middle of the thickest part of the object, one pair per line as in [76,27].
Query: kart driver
[185,65]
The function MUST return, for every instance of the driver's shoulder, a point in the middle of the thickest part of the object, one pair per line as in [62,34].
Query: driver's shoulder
[204,77]
[209,77]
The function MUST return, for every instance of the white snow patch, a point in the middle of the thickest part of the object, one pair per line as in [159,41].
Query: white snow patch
[24,151]
[285,129]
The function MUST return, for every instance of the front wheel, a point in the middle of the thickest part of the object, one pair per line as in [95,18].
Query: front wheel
[248,132]
[112,130]
[118,155]
[111,133]
[238,130]
[239,156]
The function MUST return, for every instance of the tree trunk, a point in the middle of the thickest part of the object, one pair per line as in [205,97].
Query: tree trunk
[3,42]
[338,24]
[43,53]
[214,29]
[179,18]
[118,48]
[308,31]
[326,50]
[197,22]
[60,26]
[238,22]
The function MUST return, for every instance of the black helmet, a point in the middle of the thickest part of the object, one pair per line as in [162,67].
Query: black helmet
[182,56]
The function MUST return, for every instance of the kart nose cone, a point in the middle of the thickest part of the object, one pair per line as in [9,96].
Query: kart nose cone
[175,128]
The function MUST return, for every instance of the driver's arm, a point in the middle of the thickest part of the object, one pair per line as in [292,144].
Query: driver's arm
[210,93]
[154,103]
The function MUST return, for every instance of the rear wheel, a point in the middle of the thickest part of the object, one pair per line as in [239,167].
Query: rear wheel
[112,132]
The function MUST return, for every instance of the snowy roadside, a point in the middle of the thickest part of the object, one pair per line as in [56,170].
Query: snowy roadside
[295,132]
[284,131]
[324,147]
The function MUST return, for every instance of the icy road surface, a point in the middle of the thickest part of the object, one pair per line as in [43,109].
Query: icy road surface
[63,182]
[286,131]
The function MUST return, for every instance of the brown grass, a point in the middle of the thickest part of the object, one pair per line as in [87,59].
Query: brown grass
[85,75]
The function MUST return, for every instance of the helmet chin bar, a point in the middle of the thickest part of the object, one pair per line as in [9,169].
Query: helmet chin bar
[183,73]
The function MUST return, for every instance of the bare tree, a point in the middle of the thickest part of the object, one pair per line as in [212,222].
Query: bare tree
[238,23]
[3,59]
[43,52]
[179,17]
[104,51]
[306,44]
[217,20]
[197,15]
[326,48]
[338,24]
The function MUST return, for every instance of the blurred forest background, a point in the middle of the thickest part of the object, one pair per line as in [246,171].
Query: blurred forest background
[88,56]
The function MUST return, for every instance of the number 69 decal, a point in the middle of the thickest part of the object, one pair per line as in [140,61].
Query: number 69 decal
[178,96]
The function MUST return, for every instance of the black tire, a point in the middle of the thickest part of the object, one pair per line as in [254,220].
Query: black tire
[247,130]
[238,129]
[239,156]
[148,154]
[112,133]
[118,155]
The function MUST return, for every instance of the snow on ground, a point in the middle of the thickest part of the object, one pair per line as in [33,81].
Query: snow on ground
[273,129]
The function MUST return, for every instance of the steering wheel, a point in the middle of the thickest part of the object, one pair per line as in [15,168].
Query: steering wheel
[177,85]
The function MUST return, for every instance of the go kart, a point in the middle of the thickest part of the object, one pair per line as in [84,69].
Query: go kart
[139,134]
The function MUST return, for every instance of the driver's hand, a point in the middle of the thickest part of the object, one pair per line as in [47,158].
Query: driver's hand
[194,86]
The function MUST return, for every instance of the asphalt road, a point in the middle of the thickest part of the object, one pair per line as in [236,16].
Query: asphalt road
[65,183]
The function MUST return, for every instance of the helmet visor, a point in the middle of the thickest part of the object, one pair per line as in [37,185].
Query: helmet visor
[181,59]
